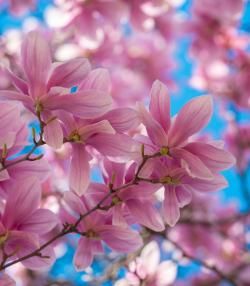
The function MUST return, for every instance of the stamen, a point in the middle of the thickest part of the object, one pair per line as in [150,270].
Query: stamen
[164,150]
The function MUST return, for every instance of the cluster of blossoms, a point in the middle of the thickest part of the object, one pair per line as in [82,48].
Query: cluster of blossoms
[97,100]
[134,166]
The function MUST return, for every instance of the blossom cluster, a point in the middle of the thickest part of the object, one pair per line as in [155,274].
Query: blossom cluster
[91,94]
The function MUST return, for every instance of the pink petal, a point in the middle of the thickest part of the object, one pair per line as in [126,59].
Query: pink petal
[193,165]
[142,191]
[40,263]
[36,61]
[97,79]
[17,96]
[118,146]
[53,133]
[118,218]
[145,214]
[6,280]
[120,239]
[70,73]
[122,119]
[19,84]
[184,196]
[216,159]
[23,199]
[83,256]
[79,175]
[7,138]
[159,104]
[216,184]
[85,104]
[95,128]
[74,203]
[171,209]
[110,168]
[39,169]
[191,119]
[155,131]
[21,242]
[41,221]
[24,243]
[96,246]
[4,175]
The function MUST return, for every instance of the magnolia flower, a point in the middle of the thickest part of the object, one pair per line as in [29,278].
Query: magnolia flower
[179,186]
[148,270]
[96,228]
[129,204]
[46,88]
[20,7]
[172,138]
[23,224]
[238,140]
[102,137]
[88,19]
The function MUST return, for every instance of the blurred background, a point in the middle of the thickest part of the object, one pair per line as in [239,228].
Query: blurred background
[195,47]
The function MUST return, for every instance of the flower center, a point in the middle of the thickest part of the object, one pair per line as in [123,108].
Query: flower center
[116,200]
[92,234]
[39,107]
[3,237]
[75,136]
[169,180]
[164,150]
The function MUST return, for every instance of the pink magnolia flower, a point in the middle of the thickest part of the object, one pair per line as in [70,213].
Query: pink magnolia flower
[139,49]
[88,20]
[226,12]
[212,25]
[23,224]
[172,138]
[238,141]
[102,137]
[96,228]
[179,186]
[224,77]
[143,12]
[18,7]
[46,88]
[148,270]
[98,133]
[129,204]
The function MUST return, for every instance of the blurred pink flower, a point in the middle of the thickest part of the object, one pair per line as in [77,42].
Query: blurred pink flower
[88,20]
[18,7]
[148,270]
